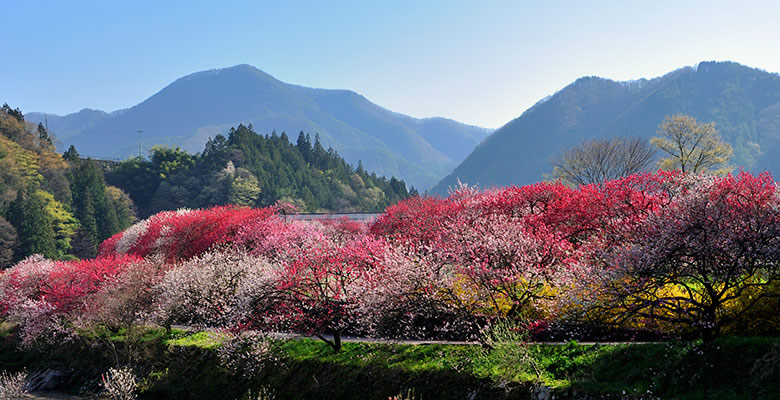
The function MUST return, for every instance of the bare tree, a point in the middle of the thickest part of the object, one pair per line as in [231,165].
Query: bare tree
[596,161]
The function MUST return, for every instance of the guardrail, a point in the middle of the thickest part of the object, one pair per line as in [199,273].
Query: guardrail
[358,217]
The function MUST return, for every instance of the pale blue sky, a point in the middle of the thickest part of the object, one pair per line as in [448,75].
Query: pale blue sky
[478,62]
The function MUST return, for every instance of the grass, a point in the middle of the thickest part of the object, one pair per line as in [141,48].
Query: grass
[729,368]
[185,365]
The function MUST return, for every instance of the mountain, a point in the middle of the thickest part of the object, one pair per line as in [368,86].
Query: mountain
[201,105]
[743,102]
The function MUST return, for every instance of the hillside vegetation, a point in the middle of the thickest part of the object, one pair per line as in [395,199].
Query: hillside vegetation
[251,169]
[51,205]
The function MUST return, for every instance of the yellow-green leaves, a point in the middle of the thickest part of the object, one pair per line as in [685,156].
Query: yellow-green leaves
[692,146]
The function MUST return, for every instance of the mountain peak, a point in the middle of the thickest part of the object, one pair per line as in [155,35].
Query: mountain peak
[743,102]
[239,71]
[195,107]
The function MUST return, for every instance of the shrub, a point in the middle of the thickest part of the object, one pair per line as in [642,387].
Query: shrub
[506,353]
[120,384]
[12,385]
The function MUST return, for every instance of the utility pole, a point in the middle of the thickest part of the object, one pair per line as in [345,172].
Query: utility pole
[139,143]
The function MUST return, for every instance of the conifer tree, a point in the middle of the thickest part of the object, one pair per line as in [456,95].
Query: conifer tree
[33,225]
[91,203]
[9,240]
[43,134]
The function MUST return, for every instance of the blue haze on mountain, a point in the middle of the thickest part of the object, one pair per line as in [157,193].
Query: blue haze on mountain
[743,102]
[201,105]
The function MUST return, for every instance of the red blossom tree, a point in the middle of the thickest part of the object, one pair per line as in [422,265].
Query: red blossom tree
[691,262]
[323,288]
[183,234]
[40,293]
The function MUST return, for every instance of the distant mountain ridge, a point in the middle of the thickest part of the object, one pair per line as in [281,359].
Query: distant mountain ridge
[201,105]
[744,103]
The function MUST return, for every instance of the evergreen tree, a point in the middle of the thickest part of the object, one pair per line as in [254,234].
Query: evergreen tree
[216,153]
[9,240]
[71,155]
[320,156]
[85,213]
[43,134]
[33,225]
[16,113]
[234,170]
[304,146]
[91,202]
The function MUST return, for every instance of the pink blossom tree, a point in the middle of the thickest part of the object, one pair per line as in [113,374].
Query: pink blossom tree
[323,289]
[689,263]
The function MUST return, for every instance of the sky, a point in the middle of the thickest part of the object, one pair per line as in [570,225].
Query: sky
[478,62]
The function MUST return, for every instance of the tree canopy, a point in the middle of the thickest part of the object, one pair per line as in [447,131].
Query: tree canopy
[247,168]
[691,146]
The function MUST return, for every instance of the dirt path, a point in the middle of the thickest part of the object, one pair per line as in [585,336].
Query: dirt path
[54,396]
[414,342]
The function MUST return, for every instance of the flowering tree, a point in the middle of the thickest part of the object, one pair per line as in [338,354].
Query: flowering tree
[183,234]
[126,299]
[418,297]
[416,222]
[664,248]
[323,288]
[213,289]
[40,294]
[689,263]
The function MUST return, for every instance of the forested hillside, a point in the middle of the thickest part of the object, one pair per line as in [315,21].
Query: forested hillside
[52,205]
[251,169]
[743,102]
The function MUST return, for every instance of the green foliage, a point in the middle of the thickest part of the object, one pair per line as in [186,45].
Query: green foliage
[185,365]
[255,170]
[244,188]
[51,197]
[168,161]
[33,224]
[123,205]
[63,222]
[506,356]
[20,166]
[93,207]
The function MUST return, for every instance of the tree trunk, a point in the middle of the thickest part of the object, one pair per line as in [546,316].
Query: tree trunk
[335,344]
[337,341]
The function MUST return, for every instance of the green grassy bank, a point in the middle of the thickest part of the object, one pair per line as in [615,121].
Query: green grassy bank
[187,366]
